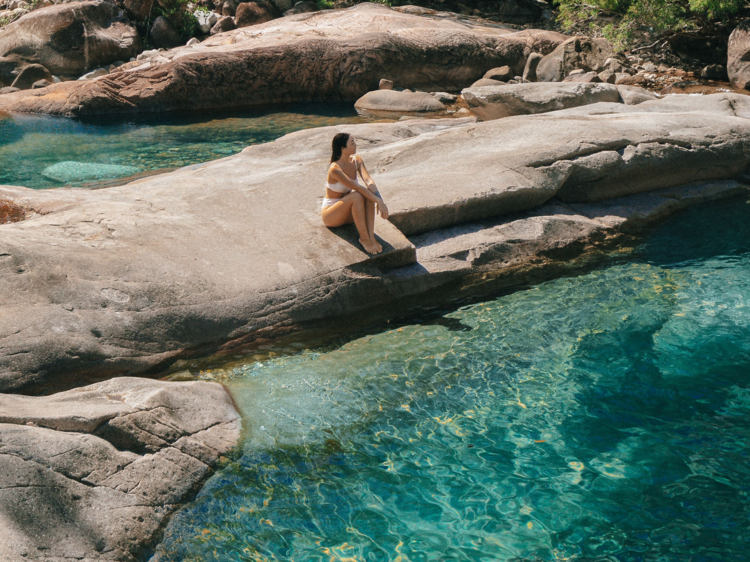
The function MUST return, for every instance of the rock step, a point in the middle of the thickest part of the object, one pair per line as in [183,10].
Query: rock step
[555,229]
[398,250]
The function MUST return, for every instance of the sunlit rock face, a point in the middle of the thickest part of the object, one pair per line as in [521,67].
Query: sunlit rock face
[92,473]
[328,55]
[71,39]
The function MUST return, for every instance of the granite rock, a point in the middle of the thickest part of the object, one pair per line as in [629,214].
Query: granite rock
[124,279]
[327,55]
[70,39]
[130,448]
[495,102]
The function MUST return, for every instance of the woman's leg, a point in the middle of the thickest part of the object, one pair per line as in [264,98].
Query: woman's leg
[370,216]
[351,208]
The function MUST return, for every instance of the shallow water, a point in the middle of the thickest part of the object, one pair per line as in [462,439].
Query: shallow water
[43,151]
[601,417]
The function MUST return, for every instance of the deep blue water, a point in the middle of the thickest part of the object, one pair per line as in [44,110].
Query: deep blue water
[43,152]
[600,417]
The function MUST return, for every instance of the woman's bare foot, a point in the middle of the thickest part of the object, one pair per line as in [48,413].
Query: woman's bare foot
[377,245]
[369,247]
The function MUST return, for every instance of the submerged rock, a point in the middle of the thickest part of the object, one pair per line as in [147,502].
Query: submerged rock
[93,473]
[73,172]
[320,56]
[70,39]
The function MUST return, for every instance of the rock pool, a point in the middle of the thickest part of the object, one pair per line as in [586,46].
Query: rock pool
[43,152]
[601,417]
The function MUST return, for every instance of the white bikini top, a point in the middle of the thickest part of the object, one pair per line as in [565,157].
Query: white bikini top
[338,187]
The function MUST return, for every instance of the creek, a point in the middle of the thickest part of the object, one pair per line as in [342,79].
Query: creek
[600,417]
[44,152]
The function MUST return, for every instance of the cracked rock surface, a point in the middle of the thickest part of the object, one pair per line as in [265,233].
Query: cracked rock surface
[120,280]
[328,55]
[92,473]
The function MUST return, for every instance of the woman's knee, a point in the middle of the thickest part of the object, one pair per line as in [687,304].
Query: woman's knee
[357,198]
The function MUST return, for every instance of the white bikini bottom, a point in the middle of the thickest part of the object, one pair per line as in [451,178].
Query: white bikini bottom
[328,202]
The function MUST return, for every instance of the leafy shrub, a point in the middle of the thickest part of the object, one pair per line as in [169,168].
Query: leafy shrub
[653,16]
[182,19]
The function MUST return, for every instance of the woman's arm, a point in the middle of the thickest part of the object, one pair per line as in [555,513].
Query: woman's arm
[370,183]
[337,174]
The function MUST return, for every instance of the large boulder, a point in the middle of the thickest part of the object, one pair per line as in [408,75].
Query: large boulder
[584,77]
[163,35]
[138,9]
[30,74]
[529,71]
[520,11]
[633,95]
[93,473]
[303,7]
[8,71]
[97,283]
[738,56]
[253,13]
[70,39]
[320,56]
[392,101]
[496,102]
[206,20]
[501,74]
[576,53]
[223,24]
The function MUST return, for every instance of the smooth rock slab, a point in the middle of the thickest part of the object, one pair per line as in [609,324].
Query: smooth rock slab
[392,101]
[92,473]
[496,102]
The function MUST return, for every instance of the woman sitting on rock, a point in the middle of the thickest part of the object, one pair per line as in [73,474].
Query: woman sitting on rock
[346,199]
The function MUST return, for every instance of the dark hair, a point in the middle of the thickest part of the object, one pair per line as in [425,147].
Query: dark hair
[339,143]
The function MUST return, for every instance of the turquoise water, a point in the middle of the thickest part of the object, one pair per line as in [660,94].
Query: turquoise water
[601,417]
[43,152]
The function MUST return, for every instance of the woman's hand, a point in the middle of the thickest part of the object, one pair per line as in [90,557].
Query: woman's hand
[382,209]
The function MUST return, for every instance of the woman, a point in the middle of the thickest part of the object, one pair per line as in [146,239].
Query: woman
[347,200]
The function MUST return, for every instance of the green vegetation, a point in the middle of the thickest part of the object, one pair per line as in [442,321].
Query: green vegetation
[324,4]
[182,19]
[657,18]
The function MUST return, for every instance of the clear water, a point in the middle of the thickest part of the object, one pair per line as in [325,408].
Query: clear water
[43,152]
[602,417]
